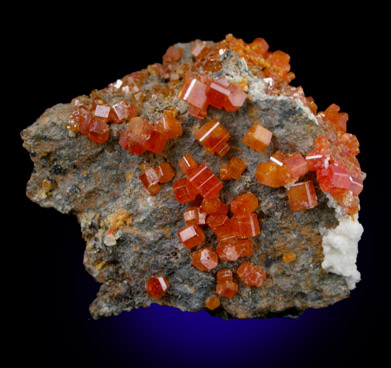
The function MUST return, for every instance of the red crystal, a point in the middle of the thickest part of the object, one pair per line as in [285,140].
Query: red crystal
[224,275]
[122,111]
[296,164]
[227,289]
[219,223]
[338,119]
[214,206]
[187,164]
[173,53]
[250,274]
[213,136]
[191,236]
[194,215]
[102,111]
[169,125]
[98,130]
[244,204]
[194,93]
[333,178]
[205,182]
[245,226]
[165,173]
[157,286]
[302,196]
[257,137]
[183,191]
[204,259]
[212,302]
[136,135]
[150,179]
[218,93]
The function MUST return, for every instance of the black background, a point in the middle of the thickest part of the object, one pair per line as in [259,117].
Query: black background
[338,57]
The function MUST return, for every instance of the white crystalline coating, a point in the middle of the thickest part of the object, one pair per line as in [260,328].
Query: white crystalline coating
[340,247]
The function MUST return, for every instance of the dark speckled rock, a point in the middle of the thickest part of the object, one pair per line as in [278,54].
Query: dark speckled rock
[98,183]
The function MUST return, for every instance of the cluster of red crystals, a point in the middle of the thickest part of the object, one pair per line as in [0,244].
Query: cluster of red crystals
[226,287]
[285,170]
[334,160]
[250,274]
[281,169]
[140,135]
[233,170]
[92,118]
[233,233]
[201,92]
[157,286]
[257,137]
[200,181]
[154,176]
[213,136]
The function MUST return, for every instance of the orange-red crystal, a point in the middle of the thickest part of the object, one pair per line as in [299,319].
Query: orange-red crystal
[213,136]
[257,137]
[250,274]
[157,286]
[204,259]
[205,182]
[302,196]
[244,204]
[191,236]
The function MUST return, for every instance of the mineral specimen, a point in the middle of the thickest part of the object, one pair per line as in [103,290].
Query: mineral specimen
[208,182]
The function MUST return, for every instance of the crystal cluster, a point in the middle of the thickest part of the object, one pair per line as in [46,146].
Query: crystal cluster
[220,235]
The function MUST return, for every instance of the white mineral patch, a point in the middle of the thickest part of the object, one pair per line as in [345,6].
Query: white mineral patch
[340,246]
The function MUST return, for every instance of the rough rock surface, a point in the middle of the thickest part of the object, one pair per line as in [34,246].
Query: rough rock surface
[99,184]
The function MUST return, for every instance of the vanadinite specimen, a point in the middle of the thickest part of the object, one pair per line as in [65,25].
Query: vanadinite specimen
[206,182]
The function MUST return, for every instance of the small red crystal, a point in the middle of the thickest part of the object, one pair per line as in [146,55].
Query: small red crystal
[214,206]
[191,236]
[245,226]
[165,173]
[204,259]
[213,302]
[173,53]
[183,191]
[302,196]
[219,223]
[157,286]
[250,274]
[227,289]
[224,275]
[98,130]
[194,215]
[169,125]
[244,204]
[257,137]
[187,164]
